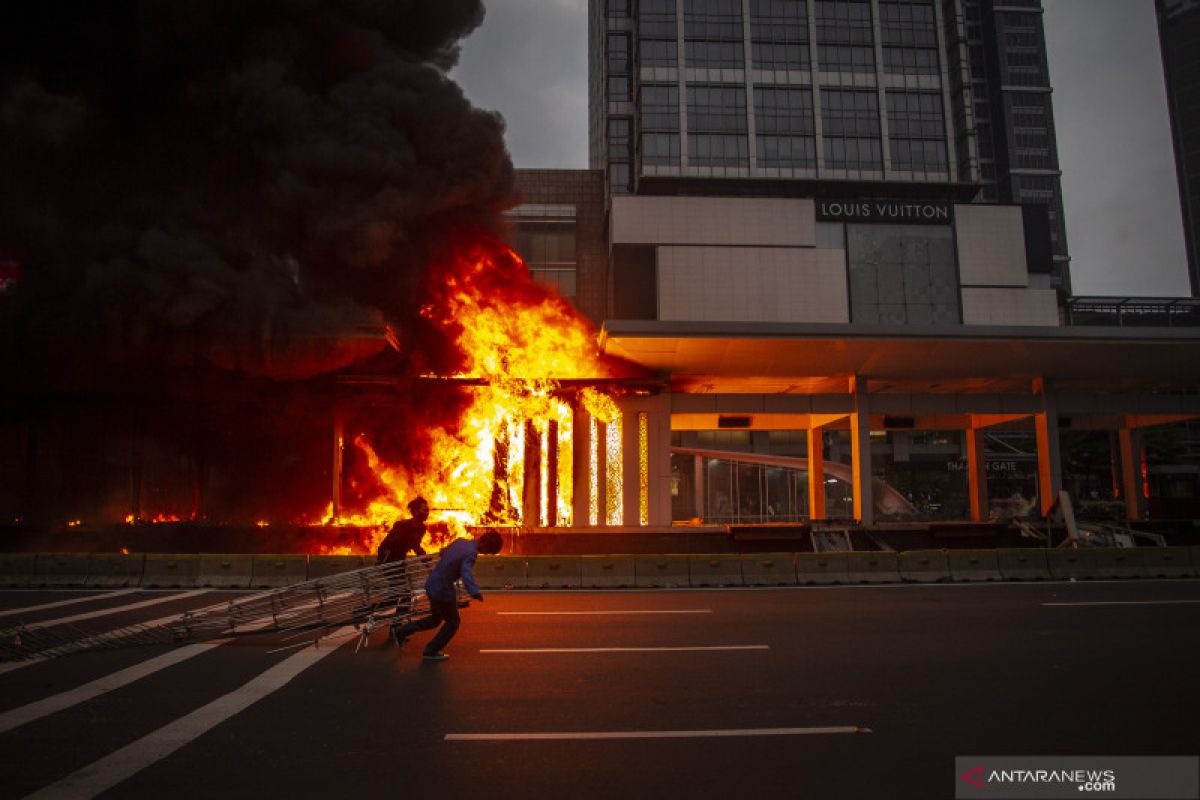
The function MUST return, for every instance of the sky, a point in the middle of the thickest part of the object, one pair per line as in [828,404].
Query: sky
[1124,230]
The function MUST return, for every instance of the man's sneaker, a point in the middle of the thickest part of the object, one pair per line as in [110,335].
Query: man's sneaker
[436,657]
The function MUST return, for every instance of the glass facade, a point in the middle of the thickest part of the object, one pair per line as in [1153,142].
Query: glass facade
[545,236]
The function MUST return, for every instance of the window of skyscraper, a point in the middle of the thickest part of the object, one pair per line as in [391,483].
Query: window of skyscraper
[718,150]
[844,22]
[548,247]
[715,20]
[714,55]
[618,54]
[786,151]
[659,52]
[845,58]
[618,138]
[660,149]
[779,34]
[783,109]
[910,60]
[716,108]
[618,88]
[917,133]
[617,8]
[660,107]
[851,129]
[656,19]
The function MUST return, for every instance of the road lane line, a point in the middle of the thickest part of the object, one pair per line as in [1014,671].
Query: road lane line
[703,734]
[72,601]
[99,637]
[1128,603]
[104,612]
[63,700]
[630,649]
[598,613]
[121,765]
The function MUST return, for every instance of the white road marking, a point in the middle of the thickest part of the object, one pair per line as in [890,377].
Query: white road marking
[121,765]
[41,708]
[104,612]
[59,603]
[1128,603]
[597,613]
[630,649]
[569,735]
[99,637]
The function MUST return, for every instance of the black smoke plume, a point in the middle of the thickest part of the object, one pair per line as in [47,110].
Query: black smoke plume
[215,202]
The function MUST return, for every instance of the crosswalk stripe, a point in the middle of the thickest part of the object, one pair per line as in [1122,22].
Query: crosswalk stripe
[59,603]
[104,612]
[102,775]
[63,700]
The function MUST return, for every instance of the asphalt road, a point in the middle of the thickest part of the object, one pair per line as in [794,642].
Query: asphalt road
[626,693]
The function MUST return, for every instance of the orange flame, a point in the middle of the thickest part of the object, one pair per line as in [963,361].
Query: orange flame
[519,341]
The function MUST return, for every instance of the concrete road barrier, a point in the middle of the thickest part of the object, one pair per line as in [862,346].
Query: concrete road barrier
[1118,562]
[715,570]
[500,572]
[116,570]
[1023,564]
[973,565]
[225,571]
[821,568]
[669,571]
[769,569]
[171,570]
[607,571]
[323,566]
[273,572]
[872,567]
[61,569]
[924,566]
[1078,563]
[16,569]
[553,572]
[1169,562]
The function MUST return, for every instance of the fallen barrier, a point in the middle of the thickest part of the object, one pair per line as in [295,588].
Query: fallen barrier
[715,570]
[973,565]
[171,570]
[667,571]
[275,572]
[924,566]
[821,568]
[225,571]
[769,569]
[1023,564]
[116,570]
[500,572]
[553,572]
[61,569]
[872,567]
[607,571]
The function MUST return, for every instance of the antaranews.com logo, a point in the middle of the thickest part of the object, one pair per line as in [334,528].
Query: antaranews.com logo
[1146,777]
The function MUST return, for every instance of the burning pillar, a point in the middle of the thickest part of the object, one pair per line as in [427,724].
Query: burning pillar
[552,474]
[339,451]
[631,466]
[532,496]
[582,475]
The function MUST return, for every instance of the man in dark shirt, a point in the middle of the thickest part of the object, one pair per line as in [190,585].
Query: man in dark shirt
[404,537]
[457,561]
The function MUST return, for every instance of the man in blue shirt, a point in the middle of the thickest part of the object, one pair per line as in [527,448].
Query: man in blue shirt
[457,561]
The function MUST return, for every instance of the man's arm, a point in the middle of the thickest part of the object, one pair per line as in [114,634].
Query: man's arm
[468,577]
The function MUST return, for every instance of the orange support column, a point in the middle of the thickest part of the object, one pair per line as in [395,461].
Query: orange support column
[1132,452]
[860,443]
[816,473]
[977,474]
[1049,450]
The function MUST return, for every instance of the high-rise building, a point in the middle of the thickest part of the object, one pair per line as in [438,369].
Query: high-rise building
[1179,33]
[925,99]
